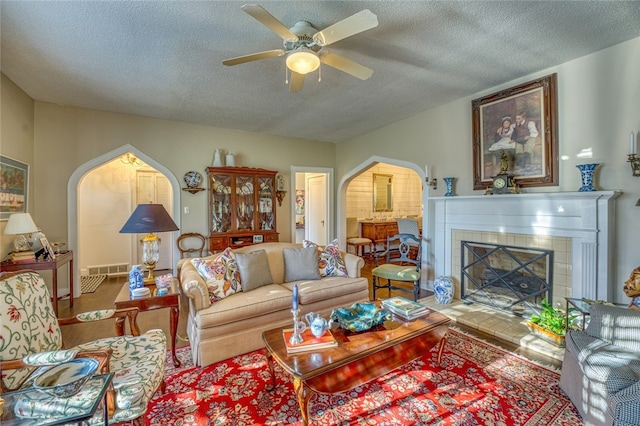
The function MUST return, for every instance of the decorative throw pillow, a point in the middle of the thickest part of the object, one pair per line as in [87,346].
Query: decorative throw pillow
[330,263]
[254,269]
[221,274]
[301,264]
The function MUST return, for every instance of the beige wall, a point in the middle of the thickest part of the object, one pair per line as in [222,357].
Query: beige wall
[67,137]
[406,198]
[598,106]
[16,141]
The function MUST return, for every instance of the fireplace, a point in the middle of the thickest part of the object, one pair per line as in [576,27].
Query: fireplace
[577,226]
[506,278]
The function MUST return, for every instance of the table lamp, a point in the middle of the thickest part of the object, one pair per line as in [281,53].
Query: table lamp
[149,218]
[20,224]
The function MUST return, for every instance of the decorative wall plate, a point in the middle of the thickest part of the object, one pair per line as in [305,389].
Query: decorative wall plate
[193,179]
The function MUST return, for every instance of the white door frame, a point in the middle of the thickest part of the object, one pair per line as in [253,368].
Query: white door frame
[330,196]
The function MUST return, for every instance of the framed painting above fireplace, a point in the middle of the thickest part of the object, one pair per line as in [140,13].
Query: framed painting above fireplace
[521,122]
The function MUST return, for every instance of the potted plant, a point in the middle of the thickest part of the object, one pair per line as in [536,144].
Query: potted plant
[551,324]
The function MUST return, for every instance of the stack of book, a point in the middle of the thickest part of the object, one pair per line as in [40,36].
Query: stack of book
[309,342]
[23,256]
[405,308]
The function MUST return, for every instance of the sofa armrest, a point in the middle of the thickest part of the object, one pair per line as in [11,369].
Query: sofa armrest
[624,405]
[616,325]
[194,287]
[354,264]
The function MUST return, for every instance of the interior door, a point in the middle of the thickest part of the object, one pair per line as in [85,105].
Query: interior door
[154,187]
[316,220]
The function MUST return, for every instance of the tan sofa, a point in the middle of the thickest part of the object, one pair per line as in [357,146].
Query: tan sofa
[234,325]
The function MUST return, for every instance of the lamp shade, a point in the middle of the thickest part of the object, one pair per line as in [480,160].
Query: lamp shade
[147,218]
[20,223]
[303,61]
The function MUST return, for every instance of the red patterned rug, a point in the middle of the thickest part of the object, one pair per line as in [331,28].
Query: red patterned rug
[477,384]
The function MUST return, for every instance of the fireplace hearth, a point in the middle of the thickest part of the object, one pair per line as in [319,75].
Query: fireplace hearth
[506,278]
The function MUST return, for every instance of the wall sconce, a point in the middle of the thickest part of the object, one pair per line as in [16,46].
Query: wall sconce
[280,192]
[433,183]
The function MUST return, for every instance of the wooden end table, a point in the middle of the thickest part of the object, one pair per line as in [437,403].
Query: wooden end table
[52,265]
[169,300]
[358,358]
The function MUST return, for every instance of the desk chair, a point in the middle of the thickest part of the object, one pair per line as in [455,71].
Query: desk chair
[405,268]
[354,240]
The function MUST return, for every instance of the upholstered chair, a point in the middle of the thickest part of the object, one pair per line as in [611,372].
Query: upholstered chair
[31,332]
[402,264]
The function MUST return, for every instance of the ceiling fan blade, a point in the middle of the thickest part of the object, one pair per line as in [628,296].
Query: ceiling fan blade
[346,65]
[269,21]
[296,82]
[354,24]
[254,57]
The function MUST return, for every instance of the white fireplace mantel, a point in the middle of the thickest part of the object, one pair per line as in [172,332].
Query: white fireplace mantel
[585,217]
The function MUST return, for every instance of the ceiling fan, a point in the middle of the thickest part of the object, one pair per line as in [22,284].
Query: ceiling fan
[303,44]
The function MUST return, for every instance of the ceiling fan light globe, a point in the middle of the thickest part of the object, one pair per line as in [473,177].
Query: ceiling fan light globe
[303,61]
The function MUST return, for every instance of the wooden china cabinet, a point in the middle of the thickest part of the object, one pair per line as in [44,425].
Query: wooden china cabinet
[242,207]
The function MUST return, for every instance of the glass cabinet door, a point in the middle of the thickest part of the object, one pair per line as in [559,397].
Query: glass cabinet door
[265,203]
[221,204]
[244,203]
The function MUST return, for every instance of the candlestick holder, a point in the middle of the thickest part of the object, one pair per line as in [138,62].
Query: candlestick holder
[634,162]
[296,337]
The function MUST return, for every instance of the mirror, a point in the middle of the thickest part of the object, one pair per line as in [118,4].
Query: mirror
[382,193]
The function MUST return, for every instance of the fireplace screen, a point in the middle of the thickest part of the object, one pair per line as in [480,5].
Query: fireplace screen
[506,278]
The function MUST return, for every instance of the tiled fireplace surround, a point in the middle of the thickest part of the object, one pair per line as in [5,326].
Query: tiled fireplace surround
[577,226]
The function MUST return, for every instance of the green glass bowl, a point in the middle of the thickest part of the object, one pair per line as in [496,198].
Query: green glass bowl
[360,316]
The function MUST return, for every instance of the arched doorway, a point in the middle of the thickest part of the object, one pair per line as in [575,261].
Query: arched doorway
[370,163]
[74,204]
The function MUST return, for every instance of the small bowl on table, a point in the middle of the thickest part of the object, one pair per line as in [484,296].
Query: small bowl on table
[66,379]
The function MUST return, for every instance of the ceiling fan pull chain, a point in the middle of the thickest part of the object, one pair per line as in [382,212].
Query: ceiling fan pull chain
[286,76]
[320,73]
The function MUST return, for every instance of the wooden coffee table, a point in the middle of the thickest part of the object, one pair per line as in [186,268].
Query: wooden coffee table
[358,358]
[169,300]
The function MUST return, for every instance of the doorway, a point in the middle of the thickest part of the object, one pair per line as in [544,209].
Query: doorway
[312,205]
[115,212]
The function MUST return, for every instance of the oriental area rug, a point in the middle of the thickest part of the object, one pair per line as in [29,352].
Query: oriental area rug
[476,384]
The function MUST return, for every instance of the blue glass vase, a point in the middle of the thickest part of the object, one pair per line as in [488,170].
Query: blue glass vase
[448,181]
[586,173]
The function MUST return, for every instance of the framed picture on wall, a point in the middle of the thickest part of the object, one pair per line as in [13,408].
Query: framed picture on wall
[522,123]
[14,186]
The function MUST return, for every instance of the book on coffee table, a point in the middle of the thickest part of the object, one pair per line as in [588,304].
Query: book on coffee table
[310,342]
[404,307]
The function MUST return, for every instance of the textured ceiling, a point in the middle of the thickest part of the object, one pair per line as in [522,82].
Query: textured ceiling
[163,59]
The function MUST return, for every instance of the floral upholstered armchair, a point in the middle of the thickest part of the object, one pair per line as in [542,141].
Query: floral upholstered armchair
[31,340]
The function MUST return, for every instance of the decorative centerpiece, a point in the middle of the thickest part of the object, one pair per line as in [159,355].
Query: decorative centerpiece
[66,379]
[360,316]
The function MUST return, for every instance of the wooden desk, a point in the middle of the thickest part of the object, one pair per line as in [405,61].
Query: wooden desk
[47,265]
[169,300]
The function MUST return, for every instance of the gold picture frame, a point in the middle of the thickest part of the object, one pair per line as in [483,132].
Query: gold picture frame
[522,122]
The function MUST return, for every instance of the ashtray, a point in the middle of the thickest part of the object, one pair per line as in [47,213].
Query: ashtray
[360,316]
[66,379]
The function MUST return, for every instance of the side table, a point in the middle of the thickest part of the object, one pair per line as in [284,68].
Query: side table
[99,384]
[52,265]
[169,300]
[582,306]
